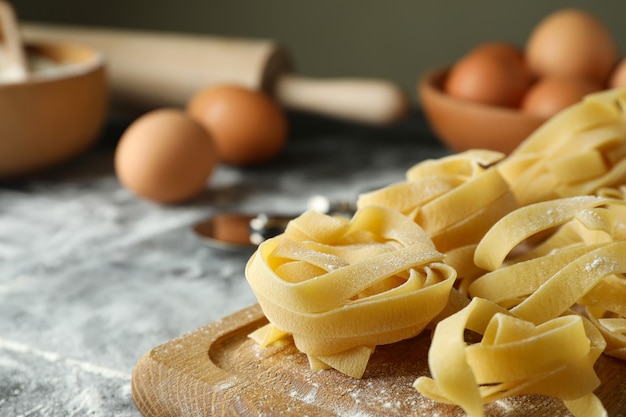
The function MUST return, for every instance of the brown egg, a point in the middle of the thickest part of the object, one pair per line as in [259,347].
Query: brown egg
[504,50]
[618,75]
[248,127]
[165,156]
[494,73]
[550,95]
[572,43]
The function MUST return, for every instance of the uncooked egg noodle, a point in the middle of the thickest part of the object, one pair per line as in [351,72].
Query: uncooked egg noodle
[374,280]
[589,134]
[524,250]
[514,357]
[455,199]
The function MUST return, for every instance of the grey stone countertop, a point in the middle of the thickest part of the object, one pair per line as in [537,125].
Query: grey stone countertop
[92,277]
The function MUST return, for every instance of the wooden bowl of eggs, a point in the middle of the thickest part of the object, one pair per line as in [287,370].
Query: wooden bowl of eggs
[498,93]
[463,124]
[53,100]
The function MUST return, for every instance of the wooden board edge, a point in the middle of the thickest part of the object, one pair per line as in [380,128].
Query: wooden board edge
[181,378]
[158,387]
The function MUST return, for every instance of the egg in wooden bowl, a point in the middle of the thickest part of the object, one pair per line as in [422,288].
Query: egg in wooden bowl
[463,124]
[498,93]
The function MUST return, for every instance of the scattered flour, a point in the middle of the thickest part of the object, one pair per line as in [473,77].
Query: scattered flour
[74,363]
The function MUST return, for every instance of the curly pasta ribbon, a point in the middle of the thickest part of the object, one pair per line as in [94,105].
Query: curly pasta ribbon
[582,261]
[448,192]
[607,311]
[591,133]
[340,287]
[529,239]
[455,199]
[514,357]
[523,223]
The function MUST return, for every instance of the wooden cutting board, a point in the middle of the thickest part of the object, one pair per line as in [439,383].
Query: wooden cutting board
[217,370]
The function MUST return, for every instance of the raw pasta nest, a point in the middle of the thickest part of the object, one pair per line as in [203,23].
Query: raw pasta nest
[590,134]
[525,251]
[523,308]
[582,262]
[341,287]
[514,357]
[455,199]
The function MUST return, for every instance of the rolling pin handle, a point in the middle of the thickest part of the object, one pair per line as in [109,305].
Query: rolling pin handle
[360,100]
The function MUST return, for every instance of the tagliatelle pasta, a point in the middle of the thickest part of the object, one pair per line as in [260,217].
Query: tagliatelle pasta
[527,251]
[439,194]
[606,310]
[523,223]
[514,357]
[590,134]
[582,263]
[376,279]
[455,199]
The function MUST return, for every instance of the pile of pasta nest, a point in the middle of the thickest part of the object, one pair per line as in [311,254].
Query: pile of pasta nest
[527,251]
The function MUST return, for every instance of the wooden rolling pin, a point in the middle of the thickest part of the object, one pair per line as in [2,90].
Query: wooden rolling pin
[154,69]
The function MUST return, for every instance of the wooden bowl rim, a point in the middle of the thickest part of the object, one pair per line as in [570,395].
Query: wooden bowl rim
[84,60]
[432,81]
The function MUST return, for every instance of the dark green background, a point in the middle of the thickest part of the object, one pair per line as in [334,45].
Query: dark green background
[396,40]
